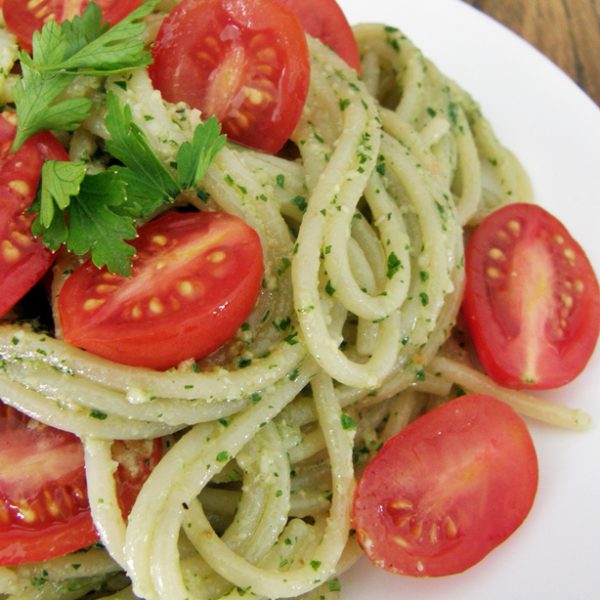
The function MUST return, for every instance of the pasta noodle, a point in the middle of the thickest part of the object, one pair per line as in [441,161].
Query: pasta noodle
[363,284]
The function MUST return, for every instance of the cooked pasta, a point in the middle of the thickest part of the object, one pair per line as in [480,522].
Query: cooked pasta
[363,247]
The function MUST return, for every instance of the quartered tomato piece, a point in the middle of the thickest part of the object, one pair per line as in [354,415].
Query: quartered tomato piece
[195,279]
[23,17]
[324,20]
[532,302]
[44,509]
[446,490]
[23,259]
[244,62]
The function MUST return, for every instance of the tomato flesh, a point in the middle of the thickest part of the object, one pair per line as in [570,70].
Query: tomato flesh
[23,258]
[324,20]
[23,18]
[244,62]
[195,279]
[44,508]
[446,490]
[136,459]
[532,302]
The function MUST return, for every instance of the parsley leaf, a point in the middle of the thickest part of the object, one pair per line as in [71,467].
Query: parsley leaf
[94,217]
[61,52]
[63,180]
[193,159]
[34,96]
[91,48]
[149,182]
[98,226]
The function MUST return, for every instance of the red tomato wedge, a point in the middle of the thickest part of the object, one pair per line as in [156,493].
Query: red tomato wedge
[195,279]
[44,509]
[324,20]
[532,303]
[246,62]
[446,490]
[23,259]
[23,17]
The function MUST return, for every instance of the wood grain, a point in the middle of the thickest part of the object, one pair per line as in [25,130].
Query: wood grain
[566,31]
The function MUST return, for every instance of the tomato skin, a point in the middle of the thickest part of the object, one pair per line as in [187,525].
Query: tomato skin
[532,302]
[445,491]
[188,294]
[44,508]
[324,20]
[23,258]
[23,19]
[246,62]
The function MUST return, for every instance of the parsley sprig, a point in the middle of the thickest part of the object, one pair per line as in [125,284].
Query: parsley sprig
[61,52]
[96,214]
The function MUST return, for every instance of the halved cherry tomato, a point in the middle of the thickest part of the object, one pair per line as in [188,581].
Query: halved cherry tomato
[44,509]
[324,20]
[446,490]
[244,62]
[23,17]
[194,281]
[532,302]
[23,259]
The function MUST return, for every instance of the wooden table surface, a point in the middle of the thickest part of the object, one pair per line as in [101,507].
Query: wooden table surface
[566,31]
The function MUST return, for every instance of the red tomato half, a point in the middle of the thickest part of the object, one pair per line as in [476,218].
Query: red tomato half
[23,259]
[532,302]
[244,62]
[44,510]
[195,279]
[446,490]
[324,20]
[23,17]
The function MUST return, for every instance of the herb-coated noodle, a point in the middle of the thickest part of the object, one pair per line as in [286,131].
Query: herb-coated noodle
[362,236]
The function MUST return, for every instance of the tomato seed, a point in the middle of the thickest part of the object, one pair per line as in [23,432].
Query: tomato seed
[514,227]
[161,240]
[401,504]
[21,239]
[25,513]
[105,288]
[10,252]
[493,273]
[416,529]
[497,254]
[400,541]
[569,255]
[156,306]
[51,505]
[434,534]
[450,528]
[185,288]
[20,186]
[216,257]
[93,303]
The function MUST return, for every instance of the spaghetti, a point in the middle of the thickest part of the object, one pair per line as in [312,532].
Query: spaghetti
[364,273]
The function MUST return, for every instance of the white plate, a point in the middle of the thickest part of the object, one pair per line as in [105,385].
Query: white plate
[555,130]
